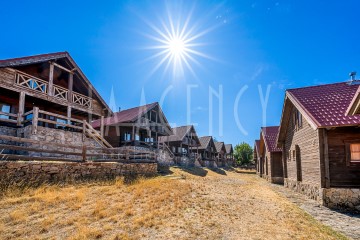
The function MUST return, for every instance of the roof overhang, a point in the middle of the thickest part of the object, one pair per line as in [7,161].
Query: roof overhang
[354,107]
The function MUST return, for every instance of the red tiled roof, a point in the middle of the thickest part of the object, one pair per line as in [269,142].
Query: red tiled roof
[327,104]
[270,138]
[125,116]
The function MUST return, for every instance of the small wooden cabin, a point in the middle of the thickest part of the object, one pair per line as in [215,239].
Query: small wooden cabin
[220,154]
[183,141]
[271,167]
[229,154]
[47,91]
[256,157]
[139,126]
[207,150]
[320,141]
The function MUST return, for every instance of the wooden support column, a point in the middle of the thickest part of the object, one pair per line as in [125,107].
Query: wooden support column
[21,108]
[70,86]
[133,134]
[51,80]
[68,114]
[326,158]
[102,126]
[84,130]
[35,120]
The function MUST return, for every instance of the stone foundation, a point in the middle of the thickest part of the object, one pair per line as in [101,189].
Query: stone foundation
[209,164]
[342,198]
[55,172]
[277,180]
[164,158]
[312,191]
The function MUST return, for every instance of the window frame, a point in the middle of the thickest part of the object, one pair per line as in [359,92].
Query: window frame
[348,160]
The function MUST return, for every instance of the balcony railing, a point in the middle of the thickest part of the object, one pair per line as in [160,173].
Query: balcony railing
[36,84]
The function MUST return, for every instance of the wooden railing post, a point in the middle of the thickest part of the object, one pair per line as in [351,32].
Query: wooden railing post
[84,153]
[102,126]
[84,130]
[35,120]
[51,80]
[21,108]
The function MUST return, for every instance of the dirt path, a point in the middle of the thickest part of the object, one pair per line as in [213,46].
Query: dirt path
[188,204]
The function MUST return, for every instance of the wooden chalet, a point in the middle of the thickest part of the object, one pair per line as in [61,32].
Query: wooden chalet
[207,150]
[229,154]
[220,154]
[48,91]
[270,156]
[138,126]
[256,157]
[320,139]
[183,140]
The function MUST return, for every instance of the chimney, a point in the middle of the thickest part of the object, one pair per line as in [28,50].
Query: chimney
[352,78]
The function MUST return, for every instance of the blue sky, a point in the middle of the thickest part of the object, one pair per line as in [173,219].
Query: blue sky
[248,45]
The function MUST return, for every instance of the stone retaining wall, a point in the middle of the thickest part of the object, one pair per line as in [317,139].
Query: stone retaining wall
[312,191]
[342,198]
[54,172]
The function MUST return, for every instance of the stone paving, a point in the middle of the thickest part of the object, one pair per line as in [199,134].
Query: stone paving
[346,223]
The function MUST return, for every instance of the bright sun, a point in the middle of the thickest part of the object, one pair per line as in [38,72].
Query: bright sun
[176,45]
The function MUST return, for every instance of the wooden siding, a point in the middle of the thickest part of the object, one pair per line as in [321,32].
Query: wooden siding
[276,164]
[342,175]
[307,140]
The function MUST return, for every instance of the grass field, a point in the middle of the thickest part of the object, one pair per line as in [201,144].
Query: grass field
[187,204]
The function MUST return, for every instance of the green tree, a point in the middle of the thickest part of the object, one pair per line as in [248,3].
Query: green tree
[243,153]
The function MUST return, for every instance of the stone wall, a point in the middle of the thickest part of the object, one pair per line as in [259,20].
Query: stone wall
[55,172]
[312,191]
[8,131]
[277,180]
[164,158]
[342,198]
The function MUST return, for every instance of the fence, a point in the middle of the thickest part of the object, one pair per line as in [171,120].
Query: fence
[77,153]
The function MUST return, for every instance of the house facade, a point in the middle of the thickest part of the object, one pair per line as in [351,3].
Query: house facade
[220,156]
[139,126]
[207,151]
[256,157]
[229,155]
[321,143]
[47,97]
[270,156]
[183,144]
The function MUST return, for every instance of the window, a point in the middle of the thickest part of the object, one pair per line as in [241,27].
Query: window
[355,152]
[289,155]
[297,120]
[127,136]
[4,108]
[60,120]
[294,155]
[352,152]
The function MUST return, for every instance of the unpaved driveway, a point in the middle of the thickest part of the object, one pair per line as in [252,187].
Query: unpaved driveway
[187,204]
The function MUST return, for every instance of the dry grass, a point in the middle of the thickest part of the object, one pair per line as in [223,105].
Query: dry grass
[186,205]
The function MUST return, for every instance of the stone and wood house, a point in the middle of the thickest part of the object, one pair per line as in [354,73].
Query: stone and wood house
[319,136]
[207,151]
[220,156]
[229,154]
[139,126]
[256,157]
[270,156]
[47,97]
[183,144]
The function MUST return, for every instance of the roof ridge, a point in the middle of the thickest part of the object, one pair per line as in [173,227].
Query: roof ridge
[322,85]
[136,107]
[34,56]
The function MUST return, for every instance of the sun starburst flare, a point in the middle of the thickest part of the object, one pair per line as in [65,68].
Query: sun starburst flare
[177,45]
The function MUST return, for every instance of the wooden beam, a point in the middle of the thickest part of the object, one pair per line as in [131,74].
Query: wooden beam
[70,87]
[51,80]
[21,108]
[61,67]
[326,159]
[35,120]
[284,160]
[102,126]
[69,115]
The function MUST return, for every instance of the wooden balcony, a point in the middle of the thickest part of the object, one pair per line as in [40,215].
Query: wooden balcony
[40,86]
